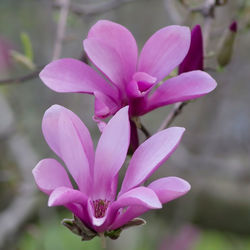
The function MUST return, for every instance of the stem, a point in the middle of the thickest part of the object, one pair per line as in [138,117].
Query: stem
[145,131]
[140,126]
[103,240]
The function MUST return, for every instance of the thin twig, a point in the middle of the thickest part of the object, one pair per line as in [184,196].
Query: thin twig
[62,23]
[21,79]
[145,131]
[207,10]
[172,115]
[93,9]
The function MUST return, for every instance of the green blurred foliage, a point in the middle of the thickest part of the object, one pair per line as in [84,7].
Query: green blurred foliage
[27,45]
[51,236]
[216,240]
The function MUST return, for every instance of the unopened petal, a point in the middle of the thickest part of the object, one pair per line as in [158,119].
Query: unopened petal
[194,58]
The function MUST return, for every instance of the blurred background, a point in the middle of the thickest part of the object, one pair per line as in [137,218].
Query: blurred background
[213,155]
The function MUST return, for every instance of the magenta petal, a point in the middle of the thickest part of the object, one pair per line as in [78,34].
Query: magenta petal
[186,86]
[194,58]
[111,153]
[164,51]
[49,175]
[169,188]
[150,155]
[70,139]
[71,75]
[121,40]
[62,196]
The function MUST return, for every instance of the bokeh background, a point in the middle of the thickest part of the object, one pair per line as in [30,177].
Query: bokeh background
[213,155]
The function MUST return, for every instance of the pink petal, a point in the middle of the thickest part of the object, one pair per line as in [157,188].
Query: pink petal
[104,105]
[164,51]
[181,88]
[106,59]
[100,124]
[71,75]
[111,153]
[140,196]
[139,199]
[119,39]
[141,84]
[62,196]
[49,175]
[70,140]
[129,214]
[169,188]
[150,155]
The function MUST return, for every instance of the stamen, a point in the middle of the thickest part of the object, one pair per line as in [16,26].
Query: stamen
[100,207]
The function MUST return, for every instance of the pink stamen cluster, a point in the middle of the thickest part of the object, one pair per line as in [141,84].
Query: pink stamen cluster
[100,207]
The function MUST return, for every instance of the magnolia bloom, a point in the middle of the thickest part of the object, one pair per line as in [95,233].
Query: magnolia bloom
[95,201]
[129,79]
[195,56]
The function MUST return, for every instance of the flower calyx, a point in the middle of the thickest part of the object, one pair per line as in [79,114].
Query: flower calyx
[77,227]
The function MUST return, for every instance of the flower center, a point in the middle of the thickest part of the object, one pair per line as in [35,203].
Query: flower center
[100,207]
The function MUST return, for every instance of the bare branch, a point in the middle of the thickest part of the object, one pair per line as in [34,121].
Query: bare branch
[93,8]
[62,23]
[172,115]
[21,79]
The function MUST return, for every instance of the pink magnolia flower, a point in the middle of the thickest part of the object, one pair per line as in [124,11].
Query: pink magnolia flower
[129,79]
[96,202]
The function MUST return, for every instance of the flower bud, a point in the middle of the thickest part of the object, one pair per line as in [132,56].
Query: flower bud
[194,57]
[226,45]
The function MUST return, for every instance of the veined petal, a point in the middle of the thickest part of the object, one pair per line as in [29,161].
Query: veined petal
[169,188]
[71,141]
[71,75]
[181,88]
[150,155]
[164,51]
[49,174]
[121,40]
[111,153]
[62,196]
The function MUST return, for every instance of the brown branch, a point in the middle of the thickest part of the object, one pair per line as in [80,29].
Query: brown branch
[21,79]
[93,9]
[144,131]
[172,115]
[61,27]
